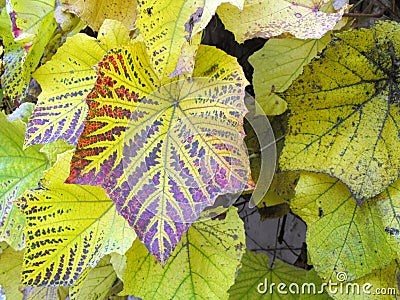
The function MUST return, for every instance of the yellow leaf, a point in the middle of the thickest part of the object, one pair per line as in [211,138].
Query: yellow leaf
[66,80]
[95,12]
[166,28]
[304,19]
[345,112]
[69,228]
[203,264]
[342,236]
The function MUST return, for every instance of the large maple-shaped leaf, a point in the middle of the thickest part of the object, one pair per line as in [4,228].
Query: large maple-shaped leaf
[65,81]
[19,170]
[266,18]
[182,148]
[95,12]
[69,228]
[342,236]
[167,26]
[202,266]
[345,112]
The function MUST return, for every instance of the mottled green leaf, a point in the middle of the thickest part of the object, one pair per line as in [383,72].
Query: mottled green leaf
[69,228]
[10,268]
[277,64]
[19,170]
[258,280]
[97,284]
[342,236]
[345,111]
[65,81]
[202,266]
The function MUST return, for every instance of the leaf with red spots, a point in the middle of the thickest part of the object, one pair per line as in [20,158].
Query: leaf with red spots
[65,81]
[69,228]
[164,153]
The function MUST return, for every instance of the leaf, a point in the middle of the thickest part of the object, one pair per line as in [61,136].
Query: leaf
[40,293]
[342,236]
[202,266]
[32,26]
[265,18]
[29,18]
[65,81]
[69,228]
[23,112]
[209,10]
[166,28]
[277,64]
[97,283]
[183,146]
[14,79]
[345,112]
[10,268]
[54,148]
[95,12]
[257,280]
[19,170]
[119,264]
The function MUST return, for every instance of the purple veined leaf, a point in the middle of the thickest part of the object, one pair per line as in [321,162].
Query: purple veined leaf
[164,152]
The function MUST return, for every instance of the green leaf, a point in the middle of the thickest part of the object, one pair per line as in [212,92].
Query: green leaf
[53,149]
[277,64]
[345,111]
[342,236]
[202,266]
[19,170]
[264,18]
[257,280]
[65,81]
[10,268]
[95,12]
[69,228]
[97,284]
[183,144]
[166,28]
